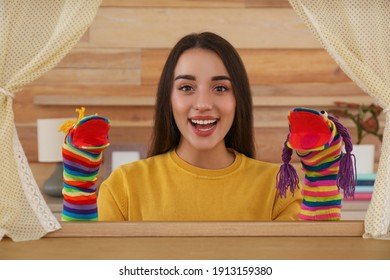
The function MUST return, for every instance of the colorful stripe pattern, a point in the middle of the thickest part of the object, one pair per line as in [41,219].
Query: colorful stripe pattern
[321,196]
[81,166]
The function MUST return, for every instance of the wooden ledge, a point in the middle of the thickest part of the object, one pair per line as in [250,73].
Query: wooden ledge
[208,229]
[258,101]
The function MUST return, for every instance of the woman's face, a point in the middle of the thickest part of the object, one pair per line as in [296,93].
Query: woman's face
[202,100]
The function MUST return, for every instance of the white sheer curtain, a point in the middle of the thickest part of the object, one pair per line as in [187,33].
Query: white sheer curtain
[34,36]
[356,34]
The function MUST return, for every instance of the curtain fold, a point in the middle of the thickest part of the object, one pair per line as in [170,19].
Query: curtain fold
[34,36]
[356,34]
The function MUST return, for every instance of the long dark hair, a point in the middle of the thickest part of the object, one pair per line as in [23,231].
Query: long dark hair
[166,135]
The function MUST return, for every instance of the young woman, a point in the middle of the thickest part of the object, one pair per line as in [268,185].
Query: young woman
[201,165]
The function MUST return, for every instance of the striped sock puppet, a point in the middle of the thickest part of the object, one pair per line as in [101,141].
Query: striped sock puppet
[82,152]
[318,141]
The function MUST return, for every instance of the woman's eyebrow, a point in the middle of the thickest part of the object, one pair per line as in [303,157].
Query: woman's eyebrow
[185,77]
[192,78]
[222,77]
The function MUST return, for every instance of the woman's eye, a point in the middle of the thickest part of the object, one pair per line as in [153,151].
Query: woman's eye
[221,88]
[185,88]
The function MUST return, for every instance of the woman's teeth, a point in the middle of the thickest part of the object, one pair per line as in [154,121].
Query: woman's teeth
[203,122]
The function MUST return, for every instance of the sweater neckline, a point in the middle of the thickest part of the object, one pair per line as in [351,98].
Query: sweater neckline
[207,172]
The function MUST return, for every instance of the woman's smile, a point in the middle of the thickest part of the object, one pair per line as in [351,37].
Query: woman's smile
[203,126]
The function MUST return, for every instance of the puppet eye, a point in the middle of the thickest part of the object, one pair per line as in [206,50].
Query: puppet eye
[324,114]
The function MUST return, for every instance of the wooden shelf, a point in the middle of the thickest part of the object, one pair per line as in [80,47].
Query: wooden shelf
[198,229]
[66,100]
[258,101]
[198,4]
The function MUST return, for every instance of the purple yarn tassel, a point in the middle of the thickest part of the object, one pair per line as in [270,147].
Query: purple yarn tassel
[287,177]
[347,177]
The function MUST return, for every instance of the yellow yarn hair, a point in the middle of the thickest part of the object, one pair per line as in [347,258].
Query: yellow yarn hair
[66,126]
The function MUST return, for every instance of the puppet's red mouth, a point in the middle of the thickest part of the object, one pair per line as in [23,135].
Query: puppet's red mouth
[308,130]
[91,133]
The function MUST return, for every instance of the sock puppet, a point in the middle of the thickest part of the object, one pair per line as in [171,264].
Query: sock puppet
[318,141]
[82,152]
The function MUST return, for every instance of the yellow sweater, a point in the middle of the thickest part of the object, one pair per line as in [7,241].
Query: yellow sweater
[166,188]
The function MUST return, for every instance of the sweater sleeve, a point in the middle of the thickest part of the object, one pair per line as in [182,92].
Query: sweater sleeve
[287,208]
[112,198]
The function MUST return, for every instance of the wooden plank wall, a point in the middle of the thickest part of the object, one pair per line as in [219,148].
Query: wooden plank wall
[115,67]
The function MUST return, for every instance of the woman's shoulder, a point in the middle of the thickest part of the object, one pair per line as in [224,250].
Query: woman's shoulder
[249,162]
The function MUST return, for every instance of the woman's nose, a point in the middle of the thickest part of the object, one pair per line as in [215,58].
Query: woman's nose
[203,100]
